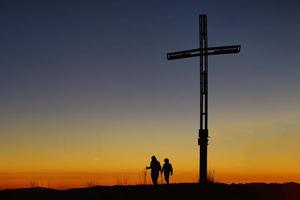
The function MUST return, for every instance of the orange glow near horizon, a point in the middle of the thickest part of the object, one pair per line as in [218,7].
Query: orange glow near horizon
[77,180]
[88,147]
[85,157]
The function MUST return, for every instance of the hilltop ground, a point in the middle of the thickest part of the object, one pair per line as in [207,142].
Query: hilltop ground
[289,191]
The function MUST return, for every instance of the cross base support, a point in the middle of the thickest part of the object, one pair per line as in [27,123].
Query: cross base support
[203,142]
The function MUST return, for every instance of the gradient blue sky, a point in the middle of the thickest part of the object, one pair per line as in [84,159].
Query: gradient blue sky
[90,79]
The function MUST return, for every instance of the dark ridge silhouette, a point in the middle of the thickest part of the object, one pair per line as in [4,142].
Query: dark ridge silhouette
[254,191]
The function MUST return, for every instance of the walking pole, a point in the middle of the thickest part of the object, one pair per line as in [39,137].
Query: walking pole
[145,176]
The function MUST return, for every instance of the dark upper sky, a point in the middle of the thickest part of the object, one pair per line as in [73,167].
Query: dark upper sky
[63,61]
[103,50]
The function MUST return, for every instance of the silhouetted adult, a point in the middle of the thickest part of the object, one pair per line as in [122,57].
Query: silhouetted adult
[155,169]
[167,170]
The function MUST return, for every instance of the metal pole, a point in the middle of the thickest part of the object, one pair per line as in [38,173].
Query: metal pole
[203,131]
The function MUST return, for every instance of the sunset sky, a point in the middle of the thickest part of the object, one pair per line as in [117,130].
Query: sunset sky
[88,96]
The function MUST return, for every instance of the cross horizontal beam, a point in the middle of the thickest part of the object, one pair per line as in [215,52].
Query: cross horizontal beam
[207,51]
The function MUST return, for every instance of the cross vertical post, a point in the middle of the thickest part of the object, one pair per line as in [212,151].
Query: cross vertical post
[203,131]
[203,52]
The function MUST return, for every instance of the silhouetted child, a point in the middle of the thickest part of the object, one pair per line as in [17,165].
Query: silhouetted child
[155,169]
[167,170]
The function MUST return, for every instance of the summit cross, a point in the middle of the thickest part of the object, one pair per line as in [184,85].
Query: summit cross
[203,52]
